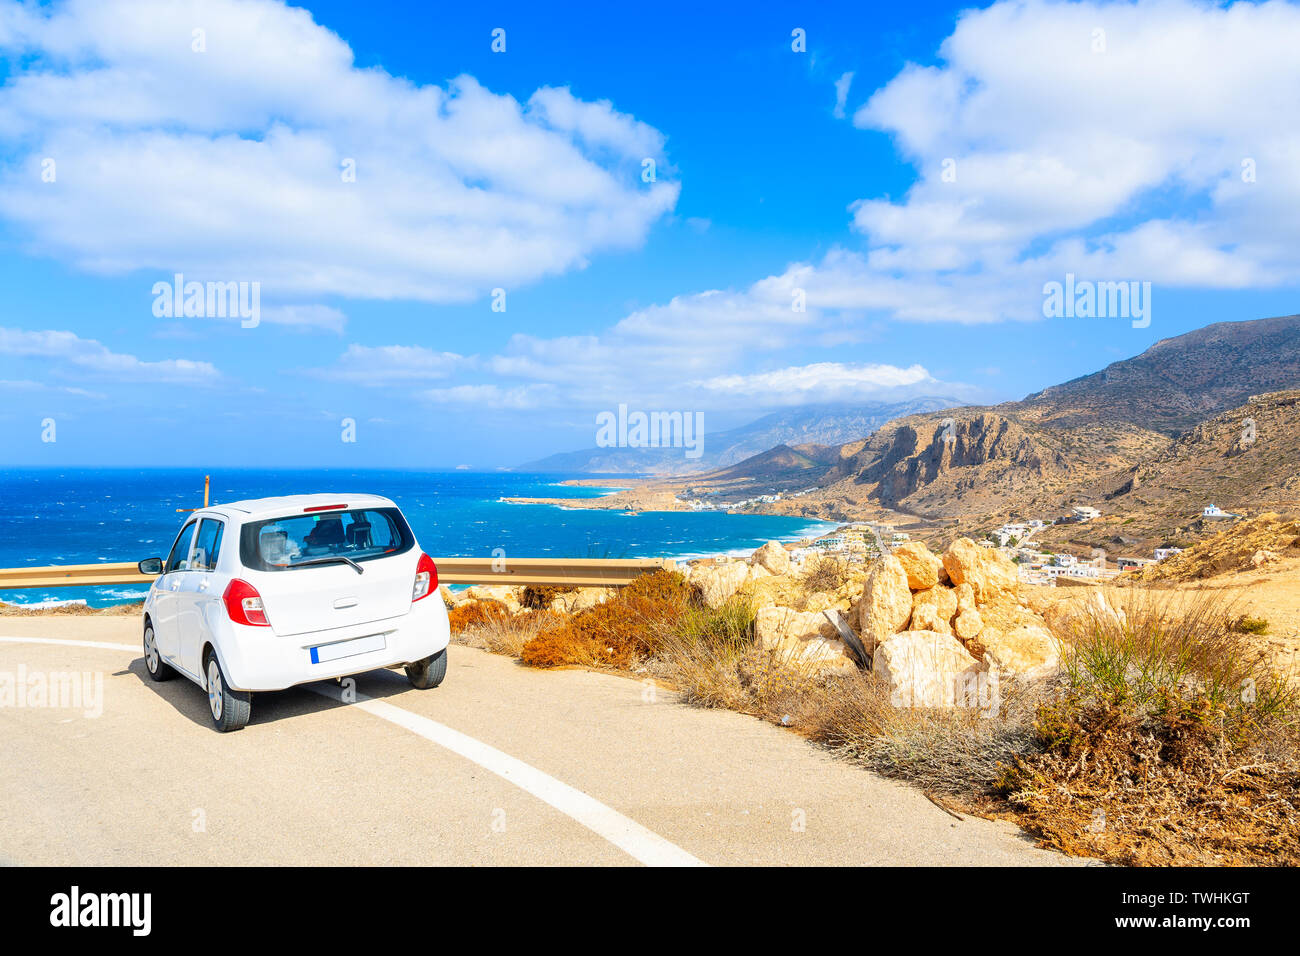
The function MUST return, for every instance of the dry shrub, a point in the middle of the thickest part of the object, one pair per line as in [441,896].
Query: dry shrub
[538,597]
[507,634]
[827,574]
[617,631]
[475,614]
[710,656]
[1173,744]
[959,752]
[1158,645]
[134,608]
[1251,625]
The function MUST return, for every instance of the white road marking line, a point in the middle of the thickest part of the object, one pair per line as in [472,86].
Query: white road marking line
[47,640]
[632,838]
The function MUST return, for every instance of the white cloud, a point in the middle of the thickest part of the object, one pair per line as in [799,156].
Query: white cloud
[228,164]
[90,356]
[518,398]
[29,385]
[388,365]
[842,93]
[323,318]
[823,382]
[1037,156]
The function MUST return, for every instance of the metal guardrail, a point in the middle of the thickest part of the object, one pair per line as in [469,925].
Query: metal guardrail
[560,572]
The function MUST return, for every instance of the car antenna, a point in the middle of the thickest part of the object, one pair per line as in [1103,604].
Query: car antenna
[207,480]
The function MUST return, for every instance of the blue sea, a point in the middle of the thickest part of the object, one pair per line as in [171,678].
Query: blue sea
[83,516]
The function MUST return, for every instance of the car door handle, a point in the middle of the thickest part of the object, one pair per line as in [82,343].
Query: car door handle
[203,585]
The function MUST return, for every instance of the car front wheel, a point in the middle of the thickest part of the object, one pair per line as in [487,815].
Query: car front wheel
[153,663]
[230,709]
[428,672]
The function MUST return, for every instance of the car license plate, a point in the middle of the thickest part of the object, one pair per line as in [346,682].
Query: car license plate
[324,653]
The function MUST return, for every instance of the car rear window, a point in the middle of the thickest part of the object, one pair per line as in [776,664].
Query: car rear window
[362,534]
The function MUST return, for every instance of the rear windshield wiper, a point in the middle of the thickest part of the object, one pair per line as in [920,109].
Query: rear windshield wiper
[333,559]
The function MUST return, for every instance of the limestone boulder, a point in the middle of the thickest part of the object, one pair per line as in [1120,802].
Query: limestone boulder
[886,602]
[823,601]
[581,599]
[503,593]
[718,582]
[943,600]
[1028,650]
[967,625]
[772,556]
[990,574]
[772,590]
[922,567]
[1262,557]
[965,595]
[804,638]
[925,669]
[927,618]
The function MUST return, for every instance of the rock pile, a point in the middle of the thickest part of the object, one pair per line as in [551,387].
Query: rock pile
[932,626]
[933,623]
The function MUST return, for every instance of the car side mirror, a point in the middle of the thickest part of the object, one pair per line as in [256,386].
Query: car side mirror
[151,566]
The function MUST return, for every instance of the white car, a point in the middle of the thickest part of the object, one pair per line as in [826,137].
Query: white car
[262,595]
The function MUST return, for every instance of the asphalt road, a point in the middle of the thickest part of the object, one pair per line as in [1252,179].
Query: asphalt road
[500,765]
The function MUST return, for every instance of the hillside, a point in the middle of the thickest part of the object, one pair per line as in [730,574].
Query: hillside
[1177,382]
[1111,439]
[828,424]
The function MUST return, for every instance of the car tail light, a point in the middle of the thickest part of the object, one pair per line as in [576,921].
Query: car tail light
[426,578]
[244,604]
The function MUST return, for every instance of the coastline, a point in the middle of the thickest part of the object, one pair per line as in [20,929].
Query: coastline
[130,514]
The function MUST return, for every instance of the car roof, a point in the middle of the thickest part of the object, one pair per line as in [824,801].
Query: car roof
[255,508]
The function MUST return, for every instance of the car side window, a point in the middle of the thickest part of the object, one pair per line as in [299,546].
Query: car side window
[179,559]
[207,546]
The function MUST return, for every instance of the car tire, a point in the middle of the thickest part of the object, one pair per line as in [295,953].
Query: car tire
[229,709]
[157,668]
[428,672]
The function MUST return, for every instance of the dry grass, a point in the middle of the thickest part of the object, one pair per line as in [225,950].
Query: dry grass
[619,631]
[1171,744]
[958,752]
[74,610]
[539,598]
[506,634]
[711,657]
[827,574]
[1159,645]
[475,614]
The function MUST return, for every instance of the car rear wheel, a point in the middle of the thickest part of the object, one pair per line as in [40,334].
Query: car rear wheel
[153,663]
[429,672]
[230,709]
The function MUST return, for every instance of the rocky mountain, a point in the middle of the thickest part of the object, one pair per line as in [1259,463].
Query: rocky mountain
[827,424]
[1177,382]
[1242,459]
[1154,434]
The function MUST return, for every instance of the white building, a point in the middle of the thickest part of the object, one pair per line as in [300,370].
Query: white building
[1214,511]
[1162,553]
[1085,513]
[1126,564]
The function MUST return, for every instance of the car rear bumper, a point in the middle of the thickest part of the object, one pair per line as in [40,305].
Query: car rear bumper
[257,659]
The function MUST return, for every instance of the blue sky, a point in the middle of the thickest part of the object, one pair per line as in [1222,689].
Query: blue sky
[1111,141]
